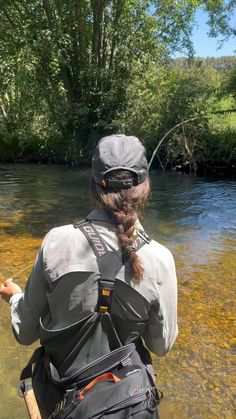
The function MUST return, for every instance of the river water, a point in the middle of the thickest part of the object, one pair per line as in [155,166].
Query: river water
[196,219]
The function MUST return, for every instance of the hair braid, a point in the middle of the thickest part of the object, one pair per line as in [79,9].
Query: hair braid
[125,234]
[124,204]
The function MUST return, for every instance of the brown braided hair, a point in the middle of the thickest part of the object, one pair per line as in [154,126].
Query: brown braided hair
[124,204]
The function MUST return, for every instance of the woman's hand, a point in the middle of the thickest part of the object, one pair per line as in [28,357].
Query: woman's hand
[8,289]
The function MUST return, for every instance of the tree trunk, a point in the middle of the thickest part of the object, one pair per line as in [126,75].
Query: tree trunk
[119,8]
[80,15]
[66,73]
[98,7]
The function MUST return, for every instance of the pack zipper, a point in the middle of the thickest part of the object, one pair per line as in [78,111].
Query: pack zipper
[140,397]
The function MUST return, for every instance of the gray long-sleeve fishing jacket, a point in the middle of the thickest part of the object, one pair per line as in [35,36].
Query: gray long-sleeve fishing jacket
[63,289]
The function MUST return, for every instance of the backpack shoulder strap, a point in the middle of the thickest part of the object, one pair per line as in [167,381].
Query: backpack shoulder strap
[142,239]
[109,262]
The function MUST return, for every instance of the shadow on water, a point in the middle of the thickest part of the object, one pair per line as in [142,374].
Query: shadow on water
[192,216]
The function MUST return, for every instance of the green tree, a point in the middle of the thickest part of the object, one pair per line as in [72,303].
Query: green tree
[220,18]
[66,67]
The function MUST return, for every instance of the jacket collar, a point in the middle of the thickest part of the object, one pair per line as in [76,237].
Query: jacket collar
[106,216]
[102,215]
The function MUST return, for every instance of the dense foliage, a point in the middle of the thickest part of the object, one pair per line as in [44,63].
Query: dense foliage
[73,71]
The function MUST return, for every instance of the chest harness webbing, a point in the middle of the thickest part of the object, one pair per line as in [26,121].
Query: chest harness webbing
[109,262]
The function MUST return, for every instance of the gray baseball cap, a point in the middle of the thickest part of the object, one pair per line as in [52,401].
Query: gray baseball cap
[117,152]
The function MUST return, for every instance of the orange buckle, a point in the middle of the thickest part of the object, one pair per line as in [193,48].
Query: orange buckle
[103,309]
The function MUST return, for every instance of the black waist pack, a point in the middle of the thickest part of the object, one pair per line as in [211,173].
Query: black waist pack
[37,376]
[118,385]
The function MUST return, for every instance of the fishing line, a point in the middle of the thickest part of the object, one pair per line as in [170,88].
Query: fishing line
[19,272]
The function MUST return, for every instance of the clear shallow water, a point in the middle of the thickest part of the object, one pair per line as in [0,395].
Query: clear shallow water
[196,219]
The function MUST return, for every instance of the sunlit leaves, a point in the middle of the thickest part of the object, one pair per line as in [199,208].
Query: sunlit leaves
[67,68]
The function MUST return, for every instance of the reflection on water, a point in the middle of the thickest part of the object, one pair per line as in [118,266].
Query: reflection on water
[192,216]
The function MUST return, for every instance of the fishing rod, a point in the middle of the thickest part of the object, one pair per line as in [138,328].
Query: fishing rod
[166,135]
[149,165]
[224,111]
[150,162]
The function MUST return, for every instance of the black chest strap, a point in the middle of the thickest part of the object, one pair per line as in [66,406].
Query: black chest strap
[109,262]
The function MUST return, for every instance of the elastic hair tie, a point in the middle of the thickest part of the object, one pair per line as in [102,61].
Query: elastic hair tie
[127,252]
